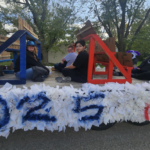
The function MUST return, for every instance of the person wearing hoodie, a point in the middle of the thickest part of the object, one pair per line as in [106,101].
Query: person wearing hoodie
[35,70]
[142,72]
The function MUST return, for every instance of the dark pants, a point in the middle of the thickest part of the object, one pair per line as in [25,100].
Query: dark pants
[141,74]
[75,75]
[60,66]
[135,60]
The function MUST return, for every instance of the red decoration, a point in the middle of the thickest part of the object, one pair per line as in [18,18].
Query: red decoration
[109,66]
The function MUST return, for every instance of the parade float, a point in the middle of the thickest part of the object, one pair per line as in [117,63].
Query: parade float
[92,106]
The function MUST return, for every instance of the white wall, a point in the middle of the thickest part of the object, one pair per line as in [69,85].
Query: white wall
[57,57]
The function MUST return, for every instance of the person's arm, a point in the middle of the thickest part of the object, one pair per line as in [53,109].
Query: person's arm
[71,67]
[66,58]
[63,60]
[78,61]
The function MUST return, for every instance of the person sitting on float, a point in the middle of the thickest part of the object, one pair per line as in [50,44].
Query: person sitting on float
[67,60]
[134,57]
[142,72]
[35,70]
[77,71]
[134,61]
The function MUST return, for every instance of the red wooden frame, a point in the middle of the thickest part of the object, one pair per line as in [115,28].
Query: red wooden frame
[74,48]
[109,66]
[146,112]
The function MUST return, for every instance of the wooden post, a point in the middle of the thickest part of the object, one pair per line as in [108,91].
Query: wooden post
[23,57]
[39,51]
[91,59]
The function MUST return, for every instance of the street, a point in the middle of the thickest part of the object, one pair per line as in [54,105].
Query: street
[122,136]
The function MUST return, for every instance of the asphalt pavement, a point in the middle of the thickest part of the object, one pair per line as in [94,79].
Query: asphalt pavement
[122,136]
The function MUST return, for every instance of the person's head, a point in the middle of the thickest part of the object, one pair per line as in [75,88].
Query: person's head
[70,49]
[80,46]
[31,47]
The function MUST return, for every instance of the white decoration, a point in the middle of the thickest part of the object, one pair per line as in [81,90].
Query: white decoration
[122,102]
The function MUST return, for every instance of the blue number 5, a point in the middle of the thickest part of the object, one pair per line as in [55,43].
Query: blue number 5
[99,107]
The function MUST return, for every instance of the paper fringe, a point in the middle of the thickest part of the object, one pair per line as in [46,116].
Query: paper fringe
[50,108]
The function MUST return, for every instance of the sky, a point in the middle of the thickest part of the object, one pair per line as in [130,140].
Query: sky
[147,4]
[148,1]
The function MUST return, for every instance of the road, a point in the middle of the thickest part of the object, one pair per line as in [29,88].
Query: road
[122,136]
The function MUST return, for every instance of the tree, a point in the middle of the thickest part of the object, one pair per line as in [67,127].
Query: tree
[48,19]
[2,30]
[141,42]
[119,16]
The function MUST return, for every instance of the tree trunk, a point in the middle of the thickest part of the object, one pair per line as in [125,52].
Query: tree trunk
[121,44]
[44,56]
[44,52]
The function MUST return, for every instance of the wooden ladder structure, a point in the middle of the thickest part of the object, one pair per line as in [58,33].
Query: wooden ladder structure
[87,33]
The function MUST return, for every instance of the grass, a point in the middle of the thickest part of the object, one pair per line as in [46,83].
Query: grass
[7,63]
[99,65]
[138,63]
[52,64]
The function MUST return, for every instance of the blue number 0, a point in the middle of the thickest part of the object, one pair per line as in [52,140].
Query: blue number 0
[5,115]
[30,113]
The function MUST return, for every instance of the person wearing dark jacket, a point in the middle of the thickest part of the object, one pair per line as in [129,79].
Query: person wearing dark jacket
[35,70]
[142,72]
[77,71]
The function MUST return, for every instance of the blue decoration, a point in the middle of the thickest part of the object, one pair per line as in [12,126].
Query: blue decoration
[6,118]
[22,101]
[133,51]
[92,96]
[48,110]
[30,116]
[96,116]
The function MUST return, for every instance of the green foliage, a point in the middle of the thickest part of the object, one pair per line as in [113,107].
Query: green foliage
[5,63]
[49,19]
[117,17]
[138,63]
[142,41]
[2,30]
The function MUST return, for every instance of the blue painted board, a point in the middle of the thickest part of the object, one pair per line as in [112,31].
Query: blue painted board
[6,60]
[23,35]
[32,38]
[12,50]
[14,82]
[12,39]
[8,71]
[39,51]
[23,57]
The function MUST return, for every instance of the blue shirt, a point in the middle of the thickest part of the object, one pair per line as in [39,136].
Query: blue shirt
[70,58]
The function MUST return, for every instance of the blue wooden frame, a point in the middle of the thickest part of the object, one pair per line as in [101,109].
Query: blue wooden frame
[23,35]
[5,60]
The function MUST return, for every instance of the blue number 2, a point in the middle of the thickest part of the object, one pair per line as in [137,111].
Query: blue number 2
[36,117]
[6,115]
